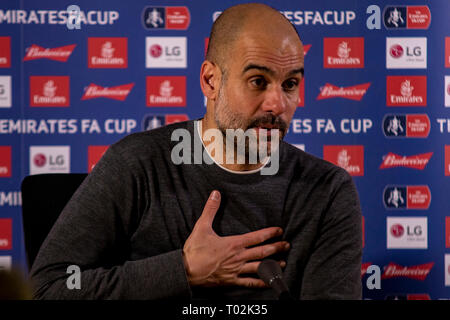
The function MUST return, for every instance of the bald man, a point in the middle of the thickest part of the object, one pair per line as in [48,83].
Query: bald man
[158,219]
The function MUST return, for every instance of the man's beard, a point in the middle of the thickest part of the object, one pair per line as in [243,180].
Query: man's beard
[226,119]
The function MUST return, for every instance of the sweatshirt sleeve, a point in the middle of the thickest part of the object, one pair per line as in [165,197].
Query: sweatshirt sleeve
[93,232]
[334,267]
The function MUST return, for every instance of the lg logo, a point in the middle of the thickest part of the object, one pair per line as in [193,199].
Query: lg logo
[396,51]
[40,160]
[397,230]
[156,51]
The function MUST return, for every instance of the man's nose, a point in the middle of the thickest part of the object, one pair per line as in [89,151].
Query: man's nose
[274,100]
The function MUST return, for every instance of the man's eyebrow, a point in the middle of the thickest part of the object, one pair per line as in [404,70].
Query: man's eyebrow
[295,71]
[257,67]
[270,71]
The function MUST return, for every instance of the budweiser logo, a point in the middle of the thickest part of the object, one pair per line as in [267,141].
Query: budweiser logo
[419,161]
[352,93]
[117,93]
[419,272]
[58,54]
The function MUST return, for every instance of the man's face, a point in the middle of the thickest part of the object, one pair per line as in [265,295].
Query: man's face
[260,87]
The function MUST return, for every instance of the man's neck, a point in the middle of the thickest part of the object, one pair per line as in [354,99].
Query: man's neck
[208,123]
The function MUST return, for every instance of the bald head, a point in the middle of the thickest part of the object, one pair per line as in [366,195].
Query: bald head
[244,18]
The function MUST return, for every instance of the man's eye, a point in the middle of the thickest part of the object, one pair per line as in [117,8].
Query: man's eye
[290,84]
[258,83]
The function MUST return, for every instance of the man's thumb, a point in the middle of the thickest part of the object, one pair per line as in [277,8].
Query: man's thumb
[211,207]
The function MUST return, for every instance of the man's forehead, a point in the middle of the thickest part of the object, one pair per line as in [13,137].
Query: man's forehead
[276,60]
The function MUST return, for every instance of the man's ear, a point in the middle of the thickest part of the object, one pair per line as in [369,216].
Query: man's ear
[210,77]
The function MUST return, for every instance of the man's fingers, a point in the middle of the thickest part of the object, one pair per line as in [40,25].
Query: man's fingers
[257,237]
[252,267]
[261,252]
[211,207]
[250,283]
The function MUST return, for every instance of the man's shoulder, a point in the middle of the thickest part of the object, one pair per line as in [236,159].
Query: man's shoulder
[141,147]
[158,137]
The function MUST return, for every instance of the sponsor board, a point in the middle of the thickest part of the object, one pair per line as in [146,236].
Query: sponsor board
[5,52]
[166,91]
[343,52]
[60,54]
[49,91]
[447,232]
[301,94]
[406,125]
[406,91]
[355,92]
[417,272]
[447,91]
[5,92]
[447,160]
[348,157]
[447,270]
[406,53]
[153,121]
[407,232]
[49,159]
[407,197]
[408,296]
[166,18]
[95,153]
[5,263]
[5,162]
[119,93]
[5,234]
[165,52]
[105,53]
[447,52]
[406,17]
[419,162]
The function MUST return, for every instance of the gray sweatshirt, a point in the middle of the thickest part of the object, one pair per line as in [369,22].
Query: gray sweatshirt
[126,225]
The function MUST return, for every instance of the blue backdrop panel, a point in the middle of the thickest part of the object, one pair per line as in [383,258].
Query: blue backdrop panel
[376,98]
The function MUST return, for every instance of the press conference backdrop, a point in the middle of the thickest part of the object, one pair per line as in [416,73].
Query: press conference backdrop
[375,100]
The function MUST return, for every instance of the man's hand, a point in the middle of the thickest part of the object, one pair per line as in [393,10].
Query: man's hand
[211,260]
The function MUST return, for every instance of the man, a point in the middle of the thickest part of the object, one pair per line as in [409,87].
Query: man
[143,227]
